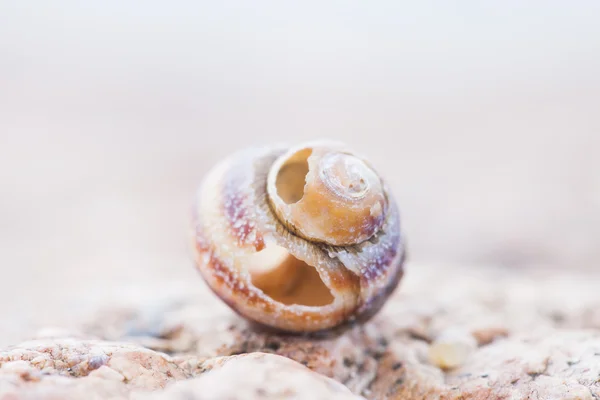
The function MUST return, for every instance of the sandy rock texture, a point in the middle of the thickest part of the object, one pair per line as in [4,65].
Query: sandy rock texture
[93,369]
[77,368]
[448,333]
[256,376]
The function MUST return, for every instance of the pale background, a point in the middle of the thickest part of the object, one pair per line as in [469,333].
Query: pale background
[484,117]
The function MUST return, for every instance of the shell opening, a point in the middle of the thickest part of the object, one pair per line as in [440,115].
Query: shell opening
[286,279]
[291,178]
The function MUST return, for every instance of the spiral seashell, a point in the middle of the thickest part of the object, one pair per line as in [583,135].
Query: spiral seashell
[300,239]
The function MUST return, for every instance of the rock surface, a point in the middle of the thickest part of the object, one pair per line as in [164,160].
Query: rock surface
[257,376]
[531,335]
[90,369]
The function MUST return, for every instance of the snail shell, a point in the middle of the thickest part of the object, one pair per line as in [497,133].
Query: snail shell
[301,239]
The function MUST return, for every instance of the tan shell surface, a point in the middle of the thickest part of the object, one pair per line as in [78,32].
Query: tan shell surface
[341,200]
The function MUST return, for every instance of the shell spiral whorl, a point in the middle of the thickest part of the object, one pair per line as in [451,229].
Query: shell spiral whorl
[285,236]
[337,199]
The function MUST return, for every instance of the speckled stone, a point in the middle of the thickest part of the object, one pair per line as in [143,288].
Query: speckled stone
[535,335]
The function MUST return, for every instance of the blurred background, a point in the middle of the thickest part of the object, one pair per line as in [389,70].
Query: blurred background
[483,116]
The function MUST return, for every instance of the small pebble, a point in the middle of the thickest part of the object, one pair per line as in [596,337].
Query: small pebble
[451,349]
